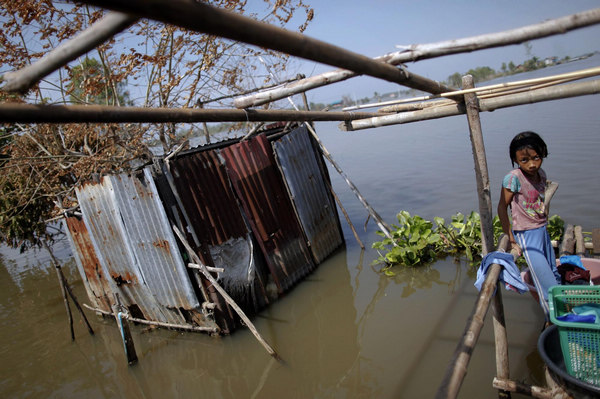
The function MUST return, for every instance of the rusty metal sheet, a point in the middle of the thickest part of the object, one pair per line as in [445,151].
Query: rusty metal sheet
[88,264]
[309,192]
[225,240]
[136,248]
[259,186]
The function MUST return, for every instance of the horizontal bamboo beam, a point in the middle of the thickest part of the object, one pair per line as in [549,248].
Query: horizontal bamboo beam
[490,104]
[528,390]
[551,27]
[202,17]
[86,40]
[424,51]
[157,323]
[29,113]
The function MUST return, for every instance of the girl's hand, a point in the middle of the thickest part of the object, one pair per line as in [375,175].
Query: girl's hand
[516,248]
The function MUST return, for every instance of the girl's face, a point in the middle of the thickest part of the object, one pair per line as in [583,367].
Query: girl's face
[529,161]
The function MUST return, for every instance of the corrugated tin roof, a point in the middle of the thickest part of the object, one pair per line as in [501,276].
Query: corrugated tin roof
[260,188]
[310,195]
[136,247]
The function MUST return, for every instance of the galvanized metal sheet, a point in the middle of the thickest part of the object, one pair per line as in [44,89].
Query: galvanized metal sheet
[88,265]
[135,246]
[309,192]
[260,188]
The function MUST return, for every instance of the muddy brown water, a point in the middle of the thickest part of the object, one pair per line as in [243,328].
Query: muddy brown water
[347,331]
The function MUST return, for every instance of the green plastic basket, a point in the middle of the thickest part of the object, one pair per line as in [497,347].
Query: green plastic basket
[579,342]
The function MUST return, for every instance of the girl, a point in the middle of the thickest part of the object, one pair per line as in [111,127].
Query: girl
[523,190]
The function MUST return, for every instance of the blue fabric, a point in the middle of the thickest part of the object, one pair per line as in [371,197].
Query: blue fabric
[539,254]
[510,274]
[575,318]
[590,309]
[574,260]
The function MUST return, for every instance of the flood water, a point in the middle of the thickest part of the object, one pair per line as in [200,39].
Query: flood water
[347,331]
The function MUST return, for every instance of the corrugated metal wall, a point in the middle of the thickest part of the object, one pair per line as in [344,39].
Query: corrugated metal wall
[89,267]
[225,241]
[136,247]
[309,192]
[233,203]
[260,188]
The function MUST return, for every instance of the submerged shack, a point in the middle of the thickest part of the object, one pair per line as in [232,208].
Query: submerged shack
[260,211]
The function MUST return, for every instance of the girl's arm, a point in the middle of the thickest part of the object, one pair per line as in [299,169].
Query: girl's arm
[505,198]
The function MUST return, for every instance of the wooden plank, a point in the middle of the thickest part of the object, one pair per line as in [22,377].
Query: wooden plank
[596,242]
[567,245]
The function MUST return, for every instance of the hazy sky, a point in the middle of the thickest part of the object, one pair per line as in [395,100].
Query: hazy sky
[375,27]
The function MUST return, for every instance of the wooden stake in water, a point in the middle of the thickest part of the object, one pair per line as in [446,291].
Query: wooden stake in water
[123,324]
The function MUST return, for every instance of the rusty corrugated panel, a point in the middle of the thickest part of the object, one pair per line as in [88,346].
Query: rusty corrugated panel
[210,203]
[136,248]
[260,188]
[88,264]
[309,192]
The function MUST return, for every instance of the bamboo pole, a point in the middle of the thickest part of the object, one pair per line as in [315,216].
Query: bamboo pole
[29,113]
[481,169]
[157,323]
[385,228]
[226,296]
[533,391]
[457,368]
[86,40]
[67,290]
[485,105]
[514,36]
[482,91]
[487,228]
[339,202]
[202,17]
[423,51]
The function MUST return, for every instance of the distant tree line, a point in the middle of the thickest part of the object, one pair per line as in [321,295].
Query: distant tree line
[482,74]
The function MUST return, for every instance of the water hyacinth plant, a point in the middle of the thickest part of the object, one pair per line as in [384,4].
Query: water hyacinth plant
[417,241]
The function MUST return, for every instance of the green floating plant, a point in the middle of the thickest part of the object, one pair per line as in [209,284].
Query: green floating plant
[416,241]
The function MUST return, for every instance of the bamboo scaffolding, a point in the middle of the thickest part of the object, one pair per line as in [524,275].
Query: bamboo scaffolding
[482,91]
[485,105]
[86,40]
[29,113]
[423,51]
[201,17]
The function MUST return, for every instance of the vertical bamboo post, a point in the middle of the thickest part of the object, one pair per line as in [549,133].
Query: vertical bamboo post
[481,170]
[487,228]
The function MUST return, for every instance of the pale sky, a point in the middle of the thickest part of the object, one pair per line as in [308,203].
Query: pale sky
[375,27]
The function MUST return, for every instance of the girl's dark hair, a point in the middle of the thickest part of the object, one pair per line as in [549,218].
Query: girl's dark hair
[527,140]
